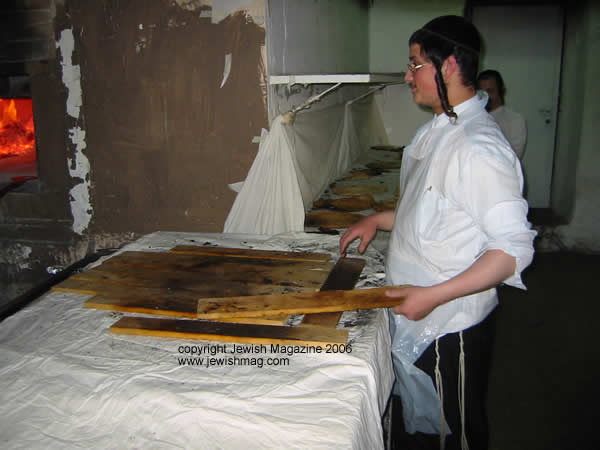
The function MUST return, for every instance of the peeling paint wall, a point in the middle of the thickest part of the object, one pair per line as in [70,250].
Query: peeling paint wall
[171,102]
[218,10]
[78,164]
[137,128]
[17,255]
[79,195]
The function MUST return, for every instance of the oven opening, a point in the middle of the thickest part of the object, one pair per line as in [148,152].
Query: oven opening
[18,153]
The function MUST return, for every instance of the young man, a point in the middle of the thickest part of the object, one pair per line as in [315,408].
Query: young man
[511,123]
[459,229]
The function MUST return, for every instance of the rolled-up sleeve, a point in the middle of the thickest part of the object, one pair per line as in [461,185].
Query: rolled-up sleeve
[492,185]
[507,231]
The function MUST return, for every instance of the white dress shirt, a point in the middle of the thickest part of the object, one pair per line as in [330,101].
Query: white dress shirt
[513,126]
[461,187]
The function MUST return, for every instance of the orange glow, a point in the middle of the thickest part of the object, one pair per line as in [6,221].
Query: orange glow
[17,136]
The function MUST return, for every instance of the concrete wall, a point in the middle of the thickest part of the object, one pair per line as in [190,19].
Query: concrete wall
[576,181]
[315,37]
[391,24]
[138,128]
[320,36]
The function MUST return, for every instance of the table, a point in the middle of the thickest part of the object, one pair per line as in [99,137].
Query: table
[65,381]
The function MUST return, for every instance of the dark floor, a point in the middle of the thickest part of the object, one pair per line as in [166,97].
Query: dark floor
[543,386]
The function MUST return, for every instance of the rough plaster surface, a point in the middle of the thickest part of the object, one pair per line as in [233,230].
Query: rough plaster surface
[71,74]
[79,167]
[24,266]
[583,231]
[163,139]
[18,255]
[218,10]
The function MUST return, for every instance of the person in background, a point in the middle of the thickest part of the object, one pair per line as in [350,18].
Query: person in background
[511,123]
[460,228]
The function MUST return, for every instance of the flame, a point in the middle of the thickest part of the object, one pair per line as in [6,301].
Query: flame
[17,135]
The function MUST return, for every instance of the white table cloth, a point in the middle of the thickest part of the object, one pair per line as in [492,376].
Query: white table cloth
[66,381]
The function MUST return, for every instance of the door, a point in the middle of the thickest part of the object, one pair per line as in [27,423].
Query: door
[524,43]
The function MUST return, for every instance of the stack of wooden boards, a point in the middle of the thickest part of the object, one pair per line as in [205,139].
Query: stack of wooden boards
[249,292]
[357,191]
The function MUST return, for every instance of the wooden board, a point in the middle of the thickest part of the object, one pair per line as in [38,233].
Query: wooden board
[389,165]
[203,275]
[385,205]
[362,174]
[228,332]
[161,304]
[170,283]
[251,253]
[327,319]
[331,219]
[358,203]
[388,148]
[344,275]
[360,189]
[315,328]
[265,305]
[153,301]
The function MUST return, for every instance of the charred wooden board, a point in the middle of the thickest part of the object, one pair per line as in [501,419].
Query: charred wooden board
[388,148]
[362,174]
[389,165]
[385,205]
[331,219]
[358,203]
[359,189]
[169,305]
[229,332]
[315,329]
[251,253]
[200,275]
[344,275]
[327,301]
[171,283]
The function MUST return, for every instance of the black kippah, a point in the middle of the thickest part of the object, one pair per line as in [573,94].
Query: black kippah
[449,39]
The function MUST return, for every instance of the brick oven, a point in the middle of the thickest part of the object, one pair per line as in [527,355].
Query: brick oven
[140,124]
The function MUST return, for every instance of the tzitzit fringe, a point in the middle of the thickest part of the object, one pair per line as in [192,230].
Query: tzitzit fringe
[464,445]
[440,391]
[461,397]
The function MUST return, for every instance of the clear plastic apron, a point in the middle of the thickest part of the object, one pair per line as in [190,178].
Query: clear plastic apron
[420,200]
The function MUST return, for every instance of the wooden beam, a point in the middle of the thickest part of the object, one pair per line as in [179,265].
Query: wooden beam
[229,332]
[265,305]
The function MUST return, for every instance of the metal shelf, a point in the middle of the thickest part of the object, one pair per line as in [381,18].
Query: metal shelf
[338,78]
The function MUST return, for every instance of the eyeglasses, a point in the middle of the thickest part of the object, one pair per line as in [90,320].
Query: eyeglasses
[414,67]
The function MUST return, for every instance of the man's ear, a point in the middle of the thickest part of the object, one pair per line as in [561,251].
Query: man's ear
[449,67]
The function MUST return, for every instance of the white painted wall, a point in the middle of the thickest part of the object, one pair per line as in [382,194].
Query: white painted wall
[576,184]
[391,23]
[531,45]
[317,36]
[320,37]
[339,36]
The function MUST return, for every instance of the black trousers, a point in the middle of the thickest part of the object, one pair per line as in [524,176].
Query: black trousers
[477,344]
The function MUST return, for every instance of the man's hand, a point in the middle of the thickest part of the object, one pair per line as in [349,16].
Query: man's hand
[414,302]
[493,267]
[365,230]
